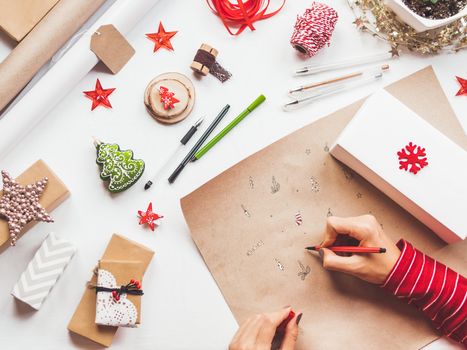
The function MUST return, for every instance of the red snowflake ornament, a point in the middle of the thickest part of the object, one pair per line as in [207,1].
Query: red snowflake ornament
[149,217]
[412,158]
[99,96]
[167,98]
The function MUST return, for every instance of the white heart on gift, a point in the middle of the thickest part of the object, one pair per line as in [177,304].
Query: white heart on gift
[110,312]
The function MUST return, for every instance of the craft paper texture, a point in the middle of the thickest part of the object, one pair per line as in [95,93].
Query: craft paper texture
[43,271]
[18,17]
[125,312]
[20,66]
[54,194]
[111,47]
[243,222]
[384,131]
[83,320]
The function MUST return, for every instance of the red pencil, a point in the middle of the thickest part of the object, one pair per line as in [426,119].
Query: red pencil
[350,249]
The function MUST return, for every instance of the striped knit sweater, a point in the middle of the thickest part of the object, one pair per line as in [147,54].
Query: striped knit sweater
[433,288]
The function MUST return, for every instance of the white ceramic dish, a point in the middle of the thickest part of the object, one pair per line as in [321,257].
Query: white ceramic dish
[419,23]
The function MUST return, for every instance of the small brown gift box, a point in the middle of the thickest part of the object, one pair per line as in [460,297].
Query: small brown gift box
[83,320]
[54,194]
[115,309]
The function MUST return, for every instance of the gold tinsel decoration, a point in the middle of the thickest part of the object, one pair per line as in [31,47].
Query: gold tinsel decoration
[375,17]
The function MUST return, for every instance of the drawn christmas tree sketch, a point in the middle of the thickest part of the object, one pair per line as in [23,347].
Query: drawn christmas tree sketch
[275,186]
[304,271]
[314,185]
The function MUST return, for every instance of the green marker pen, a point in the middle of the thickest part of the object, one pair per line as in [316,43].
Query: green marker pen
[260,99]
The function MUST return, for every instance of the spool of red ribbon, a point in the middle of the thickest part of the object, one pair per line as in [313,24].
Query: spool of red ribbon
[313,30]
[241,14]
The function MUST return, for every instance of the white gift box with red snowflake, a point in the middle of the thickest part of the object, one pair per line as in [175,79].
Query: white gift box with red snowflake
[410,161]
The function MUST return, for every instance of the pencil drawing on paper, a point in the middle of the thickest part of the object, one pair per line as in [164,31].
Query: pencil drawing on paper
[254,248]
[279,264]
[314,185]
[251,182]
[276,186]
[329,213]
[326,147]
[245,211]
[298,218]
[304,271]
[308,151]
[359,195]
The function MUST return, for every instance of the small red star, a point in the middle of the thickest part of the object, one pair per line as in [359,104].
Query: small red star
[148,217]
[161,38]
[99,96]
[463,89]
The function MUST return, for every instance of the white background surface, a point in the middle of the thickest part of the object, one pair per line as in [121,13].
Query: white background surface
[182,308]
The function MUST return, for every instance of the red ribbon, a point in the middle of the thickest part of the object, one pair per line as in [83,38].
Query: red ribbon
[243,13]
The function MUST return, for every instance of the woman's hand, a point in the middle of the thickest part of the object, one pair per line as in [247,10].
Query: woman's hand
[259,331]
[373,268]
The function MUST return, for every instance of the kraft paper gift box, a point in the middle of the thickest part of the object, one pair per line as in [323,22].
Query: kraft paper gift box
[54,194]
[83,320]
[435,194]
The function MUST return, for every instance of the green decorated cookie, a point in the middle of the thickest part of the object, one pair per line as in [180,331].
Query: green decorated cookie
[118,167]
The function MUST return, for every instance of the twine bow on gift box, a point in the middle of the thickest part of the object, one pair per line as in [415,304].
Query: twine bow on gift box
[132,288]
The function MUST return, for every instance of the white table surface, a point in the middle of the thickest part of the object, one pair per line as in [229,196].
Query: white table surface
[182,308]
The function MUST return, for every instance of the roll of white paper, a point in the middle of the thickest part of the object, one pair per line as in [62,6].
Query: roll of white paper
[71,68]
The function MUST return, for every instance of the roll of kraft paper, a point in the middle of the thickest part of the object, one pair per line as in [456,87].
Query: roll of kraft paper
[65,74]
[50,34]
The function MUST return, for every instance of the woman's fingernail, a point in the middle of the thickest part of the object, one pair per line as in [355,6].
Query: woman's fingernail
[299,317]
[321,253]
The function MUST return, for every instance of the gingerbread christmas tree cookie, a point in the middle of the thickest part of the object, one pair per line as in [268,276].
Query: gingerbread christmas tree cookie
[118,166]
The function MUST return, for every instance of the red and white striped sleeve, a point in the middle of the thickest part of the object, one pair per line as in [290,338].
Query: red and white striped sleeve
[433,288]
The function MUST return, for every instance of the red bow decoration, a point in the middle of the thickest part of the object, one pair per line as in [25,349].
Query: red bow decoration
[167,98]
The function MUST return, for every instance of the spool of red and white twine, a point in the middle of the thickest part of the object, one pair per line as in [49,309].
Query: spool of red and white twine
[313,30]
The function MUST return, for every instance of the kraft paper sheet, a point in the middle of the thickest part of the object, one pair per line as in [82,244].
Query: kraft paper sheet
[245,224]
[50,34]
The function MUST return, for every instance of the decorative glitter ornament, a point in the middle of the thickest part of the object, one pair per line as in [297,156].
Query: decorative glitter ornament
[167,98]
[118,167]
[99,96]
[149,217]
[313,30]
[20,205]
[161,38]
[412,158]
[374,17]
[463,88]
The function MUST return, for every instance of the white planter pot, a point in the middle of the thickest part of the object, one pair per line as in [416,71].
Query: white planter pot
[419,23]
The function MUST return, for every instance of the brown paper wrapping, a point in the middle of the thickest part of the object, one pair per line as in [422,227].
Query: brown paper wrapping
[82,322]
[243,222]
[18,17]
[124,271]
[54,194]
[50,34]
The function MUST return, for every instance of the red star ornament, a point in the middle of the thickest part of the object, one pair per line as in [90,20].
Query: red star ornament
[463,89]
[148,217]
[99,96]
[161,38]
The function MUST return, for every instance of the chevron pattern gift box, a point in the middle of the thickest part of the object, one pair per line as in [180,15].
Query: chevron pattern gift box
[43,271]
